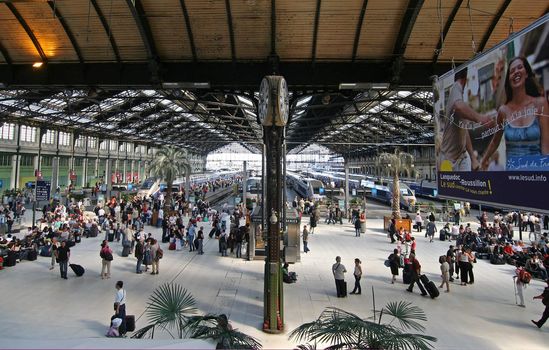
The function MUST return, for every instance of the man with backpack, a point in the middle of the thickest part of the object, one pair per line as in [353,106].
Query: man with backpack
[545,300]
[522,278]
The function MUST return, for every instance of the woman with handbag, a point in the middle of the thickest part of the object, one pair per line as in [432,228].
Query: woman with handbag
[106,257]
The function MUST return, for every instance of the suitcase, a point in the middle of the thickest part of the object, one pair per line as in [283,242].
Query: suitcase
[442,235]
[77,269]
[483,255]
[32,255]
[70,244]
[110,237]
[10,260]
[429,286]
[196,244]
[407,274]
[130,323]
[171,246]
[125,251]
[77,238]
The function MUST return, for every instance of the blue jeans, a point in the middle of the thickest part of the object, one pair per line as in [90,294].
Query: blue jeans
[191,243]
[200,246]
[159,222]
[238,249]
[63,265]
[357,232]
[138,267]
[305,247]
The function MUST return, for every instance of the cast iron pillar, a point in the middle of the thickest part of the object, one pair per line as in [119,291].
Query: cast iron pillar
[273,114]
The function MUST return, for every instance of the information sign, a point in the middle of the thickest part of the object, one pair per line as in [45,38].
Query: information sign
[43,189]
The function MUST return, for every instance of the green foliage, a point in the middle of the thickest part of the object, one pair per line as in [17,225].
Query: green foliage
[168,308]
[168,164]
[217,328]
[345,330]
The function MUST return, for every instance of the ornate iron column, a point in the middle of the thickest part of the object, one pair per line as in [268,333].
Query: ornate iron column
[273,114]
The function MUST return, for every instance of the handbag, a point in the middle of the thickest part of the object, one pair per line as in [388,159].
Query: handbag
[387,263]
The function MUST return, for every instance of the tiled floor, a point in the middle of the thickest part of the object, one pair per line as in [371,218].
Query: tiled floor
[40,310]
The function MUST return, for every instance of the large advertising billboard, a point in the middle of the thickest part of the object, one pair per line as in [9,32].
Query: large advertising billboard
[492,124]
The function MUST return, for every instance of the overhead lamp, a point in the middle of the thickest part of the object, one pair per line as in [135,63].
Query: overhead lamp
[37,64]
[363,86]
[185,85]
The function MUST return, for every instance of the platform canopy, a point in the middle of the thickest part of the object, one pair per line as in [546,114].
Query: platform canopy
[186,72]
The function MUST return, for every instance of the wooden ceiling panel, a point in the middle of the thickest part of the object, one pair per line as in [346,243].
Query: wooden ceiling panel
[458,44]
[294,29]
[124,30]
[522,13]
[252,28]
[427,30]
[380,29]
[337,29]
[87,29]
[15,40]
[48,31]
[210,29]
[169,29]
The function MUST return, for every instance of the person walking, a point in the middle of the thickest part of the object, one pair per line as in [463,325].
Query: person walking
[54,246]
[357,227]
[392,230]
[430,230]
[200,239]
[305,239]
[238,243]
[358,275]
[139,252]
[445,272]
[394,264]
[63,254]
[120,304]
[416,272]
[155,256]
[545,300]
[519,284]
[472,259]
[106,257]
[419,222]
[338,269]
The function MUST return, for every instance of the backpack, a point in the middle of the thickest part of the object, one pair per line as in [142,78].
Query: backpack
[525,276]
[159,253]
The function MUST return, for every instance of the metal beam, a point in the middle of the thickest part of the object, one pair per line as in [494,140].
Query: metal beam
[189,29]
[29,31]
[414,7]
[446,30]
[493,25]
[140,18]
[67,30]
[5,54]
[273,27]
[302,76]
[359,29]
[315,31]
[231,30]
[107,28]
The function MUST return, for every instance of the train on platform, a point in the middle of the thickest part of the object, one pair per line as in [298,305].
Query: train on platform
[152,185]
[306,187]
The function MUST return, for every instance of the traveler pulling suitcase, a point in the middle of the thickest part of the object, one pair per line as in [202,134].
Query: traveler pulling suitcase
[77,269]
[429,286]
[130,323]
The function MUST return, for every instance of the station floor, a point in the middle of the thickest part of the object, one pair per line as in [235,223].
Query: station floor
[40,310]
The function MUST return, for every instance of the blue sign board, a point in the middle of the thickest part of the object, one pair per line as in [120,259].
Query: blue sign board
[1,183]
[43,189]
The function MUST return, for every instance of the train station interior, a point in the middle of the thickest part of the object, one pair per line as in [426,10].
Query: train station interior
[249,119]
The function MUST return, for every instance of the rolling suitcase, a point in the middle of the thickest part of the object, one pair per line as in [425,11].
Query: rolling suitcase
[442,235]
[125,251]
[171,246]
[429,286]
[344,291]
[77,269]
[130,323]
[110,237]
[407,274]
[10,260]
[77,238]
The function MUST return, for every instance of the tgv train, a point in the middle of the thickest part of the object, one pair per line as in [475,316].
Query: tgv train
[380,189]
[152,185]
[306,187]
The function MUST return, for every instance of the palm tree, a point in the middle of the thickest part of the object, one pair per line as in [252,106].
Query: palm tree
[345,330]
[168,164]
[168,309]
[218,328]
[396,163]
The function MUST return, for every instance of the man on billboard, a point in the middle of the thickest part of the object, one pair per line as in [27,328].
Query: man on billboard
[456,147]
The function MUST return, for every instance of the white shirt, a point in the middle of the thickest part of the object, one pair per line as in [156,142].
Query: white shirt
[120,296]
